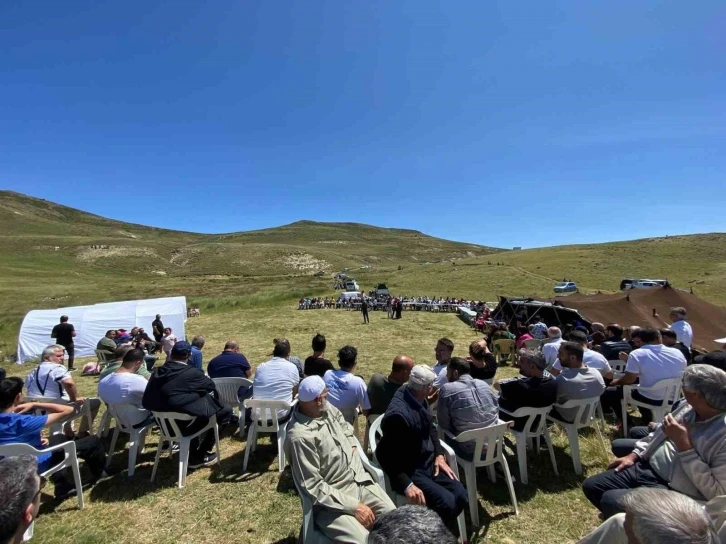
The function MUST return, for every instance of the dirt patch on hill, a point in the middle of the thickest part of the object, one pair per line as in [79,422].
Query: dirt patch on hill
[304,262]
[91,254]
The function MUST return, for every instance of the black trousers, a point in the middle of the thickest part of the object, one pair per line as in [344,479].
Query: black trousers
[90,449]
[605,490]
[365,316]
[612,398]
[204,443]
[71,351]
[625,446]
[443,495]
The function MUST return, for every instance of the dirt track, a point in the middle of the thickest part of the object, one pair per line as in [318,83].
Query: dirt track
[708,320]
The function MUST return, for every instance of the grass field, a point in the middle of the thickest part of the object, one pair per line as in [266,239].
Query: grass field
[222,504]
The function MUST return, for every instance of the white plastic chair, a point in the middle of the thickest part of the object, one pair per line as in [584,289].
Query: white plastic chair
[618,366]
[310,534]
[533,343]
[374,435]
[227,389]
[57,428]
[671,389]
[488,450]
[531,432]
[265,420]
[169,432]
[70,461]
[124,415]
[584,417]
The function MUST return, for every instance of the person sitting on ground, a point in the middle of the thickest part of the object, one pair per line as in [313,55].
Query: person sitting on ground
[381,388]
[551,348]
[648,365]
[410,453]
[195,359]
[614,343]
[576,381]
[535,390]
[522,336]
[410,524]
[670,339]
[20,499]
[591,359]
[119,355]
[682,328]
[51,380]
[326,466]
[277,379]
[168,341]
[443,351]
[657,516]
[295,360]
[538,329]
[465,403]
[317,364]
[231,364]
[177,387]
[18,425]
[347,391]
[126,385]
[483,363]
[107,345]
[685,453]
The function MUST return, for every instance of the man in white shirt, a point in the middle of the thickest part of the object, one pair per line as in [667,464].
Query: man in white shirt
[648,364]
[590,358]
[277,379]
[168,341]
[682,328]
[126,387]
[552,346]
[443,351]
[51,380]
[346,391]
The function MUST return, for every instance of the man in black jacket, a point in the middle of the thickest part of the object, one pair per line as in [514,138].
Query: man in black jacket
[615,343]
[412,456]
[178,387]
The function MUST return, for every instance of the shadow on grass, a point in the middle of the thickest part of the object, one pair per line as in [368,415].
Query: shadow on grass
[260,463]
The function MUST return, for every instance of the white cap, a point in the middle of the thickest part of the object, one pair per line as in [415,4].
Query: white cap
[310,388]
[422,375]
[720,340]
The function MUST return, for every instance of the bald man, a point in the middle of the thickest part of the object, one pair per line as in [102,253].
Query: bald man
[327,468]
[381,389]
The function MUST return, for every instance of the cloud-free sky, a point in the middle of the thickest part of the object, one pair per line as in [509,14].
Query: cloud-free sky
[500,123]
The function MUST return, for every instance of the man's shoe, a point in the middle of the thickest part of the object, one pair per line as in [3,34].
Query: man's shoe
[63,490]
[208,459]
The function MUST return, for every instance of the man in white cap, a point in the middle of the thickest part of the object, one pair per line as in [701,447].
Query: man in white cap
[325,464]
[410,452]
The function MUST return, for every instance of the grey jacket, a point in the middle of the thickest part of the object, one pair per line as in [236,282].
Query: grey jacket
[699,472]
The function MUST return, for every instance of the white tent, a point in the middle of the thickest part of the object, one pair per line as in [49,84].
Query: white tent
[92,322]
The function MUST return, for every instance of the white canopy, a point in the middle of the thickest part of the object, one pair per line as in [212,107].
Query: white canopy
[92,322]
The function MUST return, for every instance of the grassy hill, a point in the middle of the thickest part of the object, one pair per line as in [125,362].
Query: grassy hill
[54,256]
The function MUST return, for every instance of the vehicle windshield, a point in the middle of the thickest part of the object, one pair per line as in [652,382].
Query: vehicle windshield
[562,284]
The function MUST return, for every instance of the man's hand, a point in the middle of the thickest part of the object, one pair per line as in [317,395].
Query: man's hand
[678,433]
[621,463]
[80,400]
[623,356]
[24,408]
[441,464]
[415,495]
[364,515]
[44,442]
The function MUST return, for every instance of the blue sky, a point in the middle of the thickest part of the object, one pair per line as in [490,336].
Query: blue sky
[500,123]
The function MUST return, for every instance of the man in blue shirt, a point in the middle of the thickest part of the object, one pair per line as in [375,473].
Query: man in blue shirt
[231,364]
[17,425]
[195,359]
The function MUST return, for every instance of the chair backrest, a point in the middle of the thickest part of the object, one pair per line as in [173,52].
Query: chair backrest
[504,345]
[533,426]
[490,438]
[264,413]
[103,356]
[671,388]
[228,388]
[585,410]
[375,434]
[126,415]
[533,343]
[12,450]
[168,428]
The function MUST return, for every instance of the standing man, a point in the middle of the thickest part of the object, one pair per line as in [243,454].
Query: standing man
[364,309]
[683,329]
[64,333]
[157,328]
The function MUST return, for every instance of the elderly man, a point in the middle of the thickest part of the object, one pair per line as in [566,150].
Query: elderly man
[686,453]
[682,328]
[107,345]
[231,364]
[657,516]
[465,403]
[381,389]
[326,466]
[20,499]
[410,525]
[51,380]
[412,456]
[552,346]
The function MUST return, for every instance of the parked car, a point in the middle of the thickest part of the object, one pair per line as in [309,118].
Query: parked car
[381,289]
[566,287]
[641,284]
[351,285]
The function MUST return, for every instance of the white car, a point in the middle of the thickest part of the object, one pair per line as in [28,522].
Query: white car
[382,289]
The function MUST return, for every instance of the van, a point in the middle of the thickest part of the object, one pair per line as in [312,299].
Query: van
[350,294]
[381,290]
[351,285]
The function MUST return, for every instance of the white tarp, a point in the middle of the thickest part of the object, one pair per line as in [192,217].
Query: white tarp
[92,322]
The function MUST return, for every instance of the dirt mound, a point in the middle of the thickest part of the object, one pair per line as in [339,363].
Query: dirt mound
[708,320]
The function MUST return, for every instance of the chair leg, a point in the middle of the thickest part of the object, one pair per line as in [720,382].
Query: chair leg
[280,451]
[102,426]
[241,419]
[510,485]
[492,474]
[625,419]
[113,445]
[470,472]
[574,448]
[158,456]
[183,460]
[248,446]
[522,458]
[133,450]
[461,522]
[548,439]
[216,441]
[79,484]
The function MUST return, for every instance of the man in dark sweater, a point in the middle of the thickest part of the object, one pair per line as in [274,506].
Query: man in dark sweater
[64,333]
[177,387]
[615,343]
[483,362]
[381,389]
[410,452]
[534,390]
[670,339]
[317,364]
